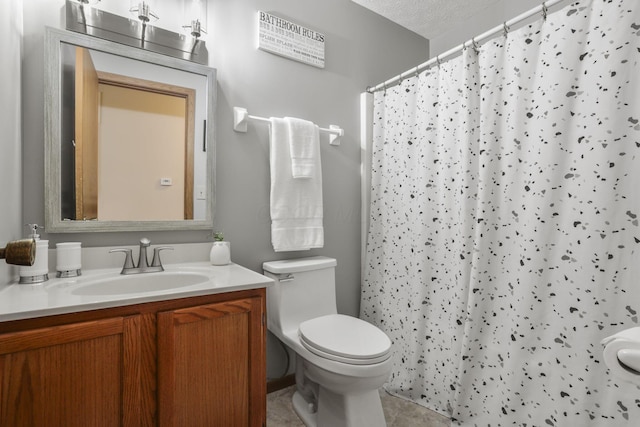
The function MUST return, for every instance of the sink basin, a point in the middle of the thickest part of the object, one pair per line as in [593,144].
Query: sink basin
[141,283]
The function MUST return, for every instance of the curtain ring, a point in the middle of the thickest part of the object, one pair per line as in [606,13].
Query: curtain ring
[438,61]
[545,9]
[384,88]
[476,46]
[417,71]
[505,28]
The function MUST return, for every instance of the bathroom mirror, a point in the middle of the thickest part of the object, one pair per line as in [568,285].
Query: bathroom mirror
[129,138]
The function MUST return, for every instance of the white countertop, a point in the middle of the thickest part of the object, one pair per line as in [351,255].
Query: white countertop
[57,296]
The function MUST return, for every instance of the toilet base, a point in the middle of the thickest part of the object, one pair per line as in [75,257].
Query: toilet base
[302,409]
[335,410]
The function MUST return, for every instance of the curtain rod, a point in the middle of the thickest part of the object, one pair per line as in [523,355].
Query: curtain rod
[474,43]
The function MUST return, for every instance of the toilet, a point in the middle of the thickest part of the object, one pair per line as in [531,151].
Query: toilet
[341,361]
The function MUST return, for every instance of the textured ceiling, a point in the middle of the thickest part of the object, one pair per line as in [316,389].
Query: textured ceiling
[429,18]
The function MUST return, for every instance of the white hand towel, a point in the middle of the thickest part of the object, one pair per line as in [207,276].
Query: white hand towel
[304,137]
[296,204]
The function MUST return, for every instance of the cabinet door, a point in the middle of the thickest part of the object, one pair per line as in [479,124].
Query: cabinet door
[211,365]
[71,375]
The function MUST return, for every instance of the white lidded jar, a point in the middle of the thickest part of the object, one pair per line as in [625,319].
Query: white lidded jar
[68,259]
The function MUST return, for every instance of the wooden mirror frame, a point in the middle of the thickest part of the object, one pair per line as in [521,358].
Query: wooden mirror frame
[53,116]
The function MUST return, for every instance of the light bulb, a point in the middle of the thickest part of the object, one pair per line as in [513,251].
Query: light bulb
[195,17]
[143,10]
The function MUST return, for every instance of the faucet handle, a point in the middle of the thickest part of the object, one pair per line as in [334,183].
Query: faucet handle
[128,260]
[145,243]
[156,256]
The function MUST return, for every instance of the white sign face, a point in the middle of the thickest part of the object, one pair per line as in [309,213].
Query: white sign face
[288,39]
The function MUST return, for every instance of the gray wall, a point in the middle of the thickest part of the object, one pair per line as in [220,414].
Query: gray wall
[464,30]
[361,49]
[10,144]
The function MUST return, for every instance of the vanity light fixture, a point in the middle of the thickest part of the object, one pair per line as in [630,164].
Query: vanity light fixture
[195,15]
[139,32]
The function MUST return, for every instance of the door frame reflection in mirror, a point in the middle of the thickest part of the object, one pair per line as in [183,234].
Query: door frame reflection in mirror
[54,220]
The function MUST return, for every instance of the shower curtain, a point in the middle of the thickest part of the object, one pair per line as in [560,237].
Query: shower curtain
[504,240]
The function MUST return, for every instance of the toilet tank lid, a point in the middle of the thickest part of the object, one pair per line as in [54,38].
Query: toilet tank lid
[298,265]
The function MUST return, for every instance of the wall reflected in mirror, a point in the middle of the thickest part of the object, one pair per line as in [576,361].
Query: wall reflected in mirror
[131,128]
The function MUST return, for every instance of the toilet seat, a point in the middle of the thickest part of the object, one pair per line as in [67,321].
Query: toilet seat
[345,339]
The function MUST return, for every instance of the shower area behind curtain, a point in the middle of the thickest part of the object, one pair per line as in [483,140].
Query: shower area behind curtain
[504,241]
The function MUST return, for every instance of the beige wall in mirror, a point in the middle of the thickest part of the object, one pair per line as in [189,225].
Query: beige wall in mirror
[136,122]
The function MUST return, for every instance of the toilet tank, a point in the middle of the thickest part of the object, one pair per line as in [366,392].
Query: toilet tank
[304,289]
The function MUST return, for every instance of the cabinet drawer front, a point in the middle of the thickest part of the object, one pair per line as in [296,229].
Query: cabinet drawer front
[211,311]
[55,335]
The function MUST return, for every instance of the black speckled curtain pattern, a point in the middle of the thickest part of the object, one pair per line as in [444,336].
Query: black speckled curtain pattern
[504,242]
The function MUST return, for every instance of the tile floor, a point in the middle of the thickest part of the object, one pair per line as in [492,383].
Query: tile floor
[398,412]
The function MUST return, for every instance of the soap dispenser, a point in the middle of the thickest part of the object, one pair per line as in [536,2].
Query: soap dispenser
[39,271]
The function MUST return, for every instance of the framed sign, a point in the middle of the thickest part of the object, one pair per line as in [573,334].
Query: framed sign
[290,40]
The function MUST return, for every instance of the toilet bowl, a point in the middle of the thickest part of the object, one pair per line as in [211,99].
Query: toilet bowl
[341,361]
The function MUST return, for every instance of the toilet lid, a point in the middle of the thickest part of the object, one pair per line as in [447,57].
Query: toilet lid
[345,339]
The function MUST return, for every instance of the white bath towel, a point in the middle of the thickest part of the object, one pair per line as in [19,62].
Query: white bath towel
[304,139]
[296,204]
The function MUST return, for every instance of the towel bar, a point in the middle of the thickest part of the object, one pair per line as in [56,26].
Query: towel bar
[241,117]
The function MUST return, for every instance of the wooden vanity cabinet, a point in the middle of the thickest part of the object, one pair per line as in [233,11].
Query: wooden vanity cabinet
[196,361]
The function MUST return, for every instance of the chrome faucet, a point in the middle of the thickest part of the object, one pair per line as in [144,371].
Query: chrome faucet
[143,263]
